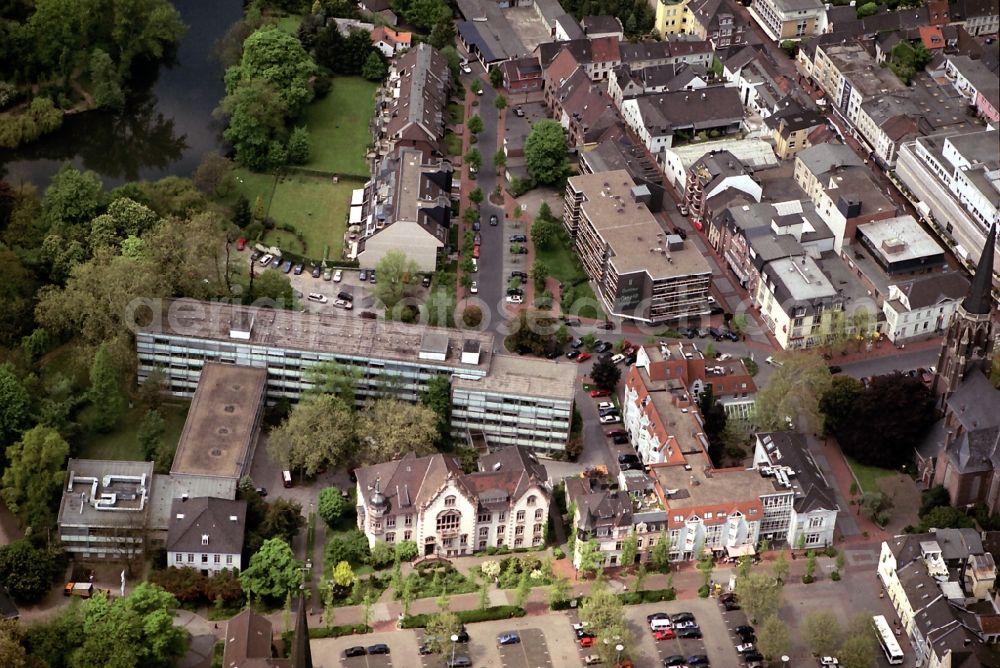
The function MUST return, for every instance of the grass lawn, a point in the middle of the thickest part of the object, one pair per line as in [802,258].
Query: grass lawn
[122,443]
[338,127]
[290,24]
[250,185]
[868,476]
[317,207]
[453,143]
[564,265]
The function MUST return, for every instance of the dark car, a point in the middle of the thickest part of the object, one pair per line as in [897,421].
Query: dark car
[463,636]
[655,615]
[354,651]
[298,269]
[689,332]
[746,637]
[573,354]
[378,648]
[630,359]
[476,226]
[730,605]
[628,457]
[689,633]
[715,333]
[519,274]
[317,271]
[731,335]
[508,639]
[834,368]
[682,617]
[571,322]
[553,354]
[460,661]
[515,292]
[276,262]
[698,660]
[371,277]
[619,440]
[607,324]
[254,256]
[583,633]
[716,310]
[604,412]
[744,629]
[675,661]
[494,221]
[518,239]
[577,343]
[753,655]
[604,347]
[363,275]
[681,233]
[262,491]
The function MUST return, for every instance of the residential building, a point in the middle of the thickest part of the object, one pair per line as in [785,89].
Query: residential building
[249,638]
[596,56]
[794,294]
[596,27]
[978,17]
[640,272]
[568,28]
[762,88]
[407,209]
[486,32]
[522,75]
[626,83]
[671,17]
[447,512]
[790,130]
[583,108]
[676,161]
[381,7]
[849,75]
[923,306]
[974,81]
[206,534]
[715,172]
[719,22]
[660,118]
[617,149]
[788,19]
[935,582]
[521,402]
[217,444]
[391,42]
[411,105]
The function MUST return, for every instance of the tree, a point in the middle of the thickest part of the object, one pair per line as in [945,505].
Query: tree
[241,212]
[14,404]
[443,36]
[590,557]
[137,630]
[659,556]
[374,68]
[256,112]
[474,159]
[876,506]
[895,412]
[545,152]
[476,86]
[759,594]
[351,547]
[272,55]
[705,565]
[392,428]
[396,274]
[440,628]
[810,573]
[604,613]
[422,14]
[859,647]
[714,416]
[867,9]
[343,575]
[474,124]
[499,160]
[539,273]
[630,548]
[150,434]
[318,432]
[496,77]
[821,631]
[477,196]
[105,397]
[106,82]
[52,640]
[544,231]
[12,650]
[793,393]
[933,498]
[298,146]
[26,572]
[837,403]
[559,591]
[605,374]
[774,639]
[214,176]
[273,572]
[780,567]
[523,588]
[332,378]
[72,199]
[437,397]
[406,550]
[500,103]
[941,517]
[331,505]
[34,474]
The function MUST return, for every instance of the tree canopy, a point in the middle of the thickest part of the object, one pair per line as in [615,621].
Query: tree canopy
[605,373]
[390,428]
[27,572]
[790,400]
[34,475]
[273,572]
[545,152]
[318,432]
[397,278]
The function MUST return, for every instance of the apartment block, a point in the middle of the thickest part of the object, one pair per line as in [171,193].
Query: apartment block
[671,17]
[411,104]
[788,19]
[641,272]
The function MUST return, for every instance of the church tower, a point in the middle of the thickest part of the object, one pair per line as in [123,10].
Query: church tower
[969,341]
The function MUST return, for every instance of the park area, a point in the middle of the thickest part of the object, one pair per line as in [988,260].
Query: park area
[339,132]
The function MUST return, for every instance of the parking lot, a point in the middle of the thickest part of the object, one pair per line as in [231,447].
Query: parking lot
[402,649]
[718,641]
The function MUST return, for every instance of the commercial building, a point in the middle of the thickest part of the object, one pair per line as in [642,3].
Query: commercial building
[187,334]
[641,273]
[407,209]
[206,534]
[447,512]
[788,19]
[661,119]
[901,246]
[977,83]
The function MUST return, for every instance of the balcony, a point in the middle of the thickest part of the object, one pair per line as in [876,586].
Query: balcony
[448,532]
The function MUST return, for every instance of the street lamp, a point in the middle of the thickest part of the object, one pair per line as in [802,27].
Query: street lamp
[454,641]
[619,648]
[784,661]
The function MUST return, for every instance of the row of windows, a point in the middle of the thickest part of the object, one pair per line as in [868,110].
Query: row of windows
[216,558]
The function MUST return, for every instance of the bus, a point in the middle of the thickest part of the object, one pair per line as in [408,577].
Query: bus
[887,640]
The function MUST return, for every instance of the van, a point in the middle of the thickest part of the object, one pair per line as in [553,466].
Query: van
[660,625]
[286,478]
[81,589]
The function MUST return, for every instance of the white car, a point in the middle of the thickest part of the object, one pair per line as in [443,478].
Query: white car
[591,660]
[724,356]
[338,276]
[617,358]
[773,362]
[466,68]
[610,419]
[579,626]
[475,265]
[745,647]
[266,260]
[317,297]
[343,303]
[829,661]
[474,288]
[515,299]
[605,404]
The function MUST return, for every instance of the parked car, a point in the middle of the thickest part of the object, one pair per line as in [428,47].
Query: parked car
[583,357]
[828,661]
[744,629]
[571,322]
[347,296]
[371,277]
[459,661]
[689,633]
[519,274]
[241,243]
[604,346]
[600,393]
[685,624]
[608,411]
[519,112]
[833,368]
[773,362]
[378,648]
[605,404]
[617,359]
[688,332]
[354,651]
[584,633]
[262,491]
[683,210]
[317,297]
[573,354]
[317,271]
[675,661]
[363,275]
[655,615]
[745,647]
[478,239]
[276,262]
[665,634]
[327,274]
[474,287]
[747,637]
[587,641]
[610,419]
[577,343]
[715,333]
[426,280]
[343,303]
[518,238]
[731,335]
[508,639]
[680,232]
[753,656]
[266,260]
[494,221]
[553,354]
[254,256]
[338,276]
[466,69]
[476,226]
[515,299]
[590,659]
[698,660]
[298,268]
[619,440]
[682,617]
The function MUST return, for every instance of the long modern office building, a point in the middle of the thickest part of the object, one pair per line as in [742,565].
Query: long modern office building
[384,357]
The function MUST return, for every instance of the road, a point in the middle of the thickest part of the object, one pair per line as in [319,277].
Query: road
[902,360]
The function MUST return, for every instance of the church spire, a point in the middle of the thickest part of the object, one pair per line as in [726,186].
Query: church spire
[301,654]
[980,298]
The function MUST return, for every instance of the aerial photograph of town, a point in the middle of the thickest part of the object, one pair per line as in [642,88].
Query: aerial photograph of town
[499,333]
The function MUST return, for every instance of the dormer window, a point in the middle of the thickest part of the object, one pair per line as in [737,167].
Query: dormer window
[204,539]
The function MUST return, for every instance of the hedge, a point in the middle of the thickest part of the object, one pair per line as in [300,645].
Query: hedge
[331,632]
[469,616]
[628,598]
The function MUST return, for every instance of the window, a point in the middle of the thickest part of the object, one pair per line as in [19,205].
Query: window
[518,531]
[407,535]
[484,532]
[538,514]
[485,517]
[179,557]
[520,516]
[482,545]
[518,542]
[408,521]
[538,528]
[501,517]
[448,521]
[390,522]
[638,543]
[204,539]
[465,539]
[190,558]
[218,558]
[449,501]
[229,559]
[618,545]
[499,540]
[204,558]
[815,522]
[531,500]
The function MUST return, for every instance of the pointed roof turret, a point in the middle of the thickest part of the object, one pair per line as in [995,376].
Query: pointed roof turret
[980,299]
[301,654]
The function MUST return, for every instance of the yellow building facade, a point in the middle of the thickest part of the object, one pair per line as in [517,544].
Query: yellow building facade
[672,17]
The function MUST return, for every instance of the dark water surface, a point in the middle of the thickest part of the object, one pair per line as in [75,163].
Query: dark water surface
[164,130]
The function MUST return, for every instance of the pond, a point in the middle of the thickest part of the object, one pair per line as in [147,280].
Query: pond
[164,130]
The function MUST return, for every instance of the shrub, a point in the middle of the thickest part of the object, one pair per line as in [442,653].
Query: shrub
[332,632]
[469,616]
[648,596]
[703,591]
[831,551]
[835,576]
[807,579]
[558,553]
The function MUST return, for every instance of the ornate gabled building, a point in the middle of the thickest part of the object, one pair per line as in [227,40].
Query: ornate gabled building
[448,512]
[968,344]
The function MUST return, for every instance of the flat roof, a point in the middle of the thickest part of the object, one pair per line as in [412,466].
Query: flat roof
[106,493]
[221,422]
[899,239]
[517,376]
[636,240]
[755,153]
[802,278]
[334,332]
[697,484]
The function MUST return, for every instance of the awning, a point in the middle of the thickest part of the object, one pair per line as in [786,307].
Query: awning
[356,215]
[358,197]
[741,551]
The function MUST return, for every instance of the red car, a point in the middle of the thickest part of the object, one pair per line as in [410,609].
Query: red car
[600,393]
[475,251]
[586,641]
[241,243]
[664,634]
[583,357]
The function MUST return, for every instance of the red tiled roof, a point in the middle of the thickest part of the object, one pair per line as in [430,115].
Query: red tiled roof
[932,37]
[605,50]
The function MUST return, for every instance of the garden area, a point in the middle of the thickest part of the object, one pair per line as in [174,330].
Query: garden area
[123,443]
[339,131]
[868,476]
[554,252]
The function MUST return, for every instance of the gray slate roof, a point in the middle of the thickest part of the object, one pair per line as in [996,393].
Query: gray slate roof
[210,517]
